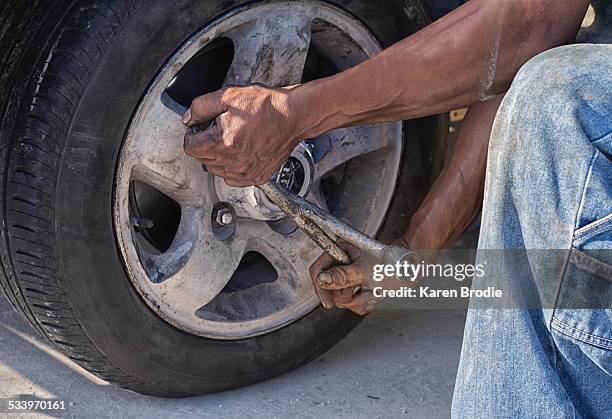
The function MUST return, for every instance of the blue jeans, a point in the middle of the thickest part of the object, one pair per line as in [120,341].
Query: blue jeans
[549,186]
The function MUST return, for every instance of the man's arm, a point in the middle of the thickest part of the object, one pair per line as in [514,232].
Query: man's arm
[470,55]
[456,197]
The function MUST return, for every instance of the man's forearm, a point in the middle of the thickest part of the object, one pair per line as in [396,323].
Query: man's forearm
[456,197]
[470,55]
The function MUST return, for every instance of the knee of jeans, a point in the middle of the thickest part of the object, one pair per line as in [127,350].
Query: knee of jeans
[554,68]
[559,75]
[542,86]
[548,77]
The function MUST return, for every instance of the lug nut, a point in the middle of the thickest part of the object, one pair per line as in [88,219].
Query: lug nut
[143,223]
[224,217]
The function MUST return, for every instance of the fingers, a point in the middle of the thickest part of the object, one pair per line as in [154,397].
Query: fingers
[205,108]
[326,297]
[345,296]
[204,145]
[335,284]
[363,303]
[207,147]
[324,262]
[243,174]
[353,251]
[340,277]
[340,286]
[240,183]
[249,141]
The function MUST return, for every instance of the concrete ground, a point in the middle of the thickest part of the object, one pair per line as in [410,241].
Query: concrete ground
[395,364]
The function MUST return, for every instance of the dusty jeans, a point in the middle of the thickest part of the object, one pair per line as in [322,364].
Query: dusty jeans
[549,186]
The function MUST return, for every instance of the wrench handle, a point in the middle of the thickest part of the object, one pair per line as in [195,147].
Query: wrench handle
[290,206]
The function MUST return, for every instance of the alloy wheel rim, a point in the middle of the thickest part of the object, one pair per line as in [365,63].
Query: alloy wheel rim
[191,282]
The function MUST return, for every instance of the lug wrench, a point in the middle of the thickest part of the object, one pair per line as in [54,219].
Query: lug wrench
[314,222]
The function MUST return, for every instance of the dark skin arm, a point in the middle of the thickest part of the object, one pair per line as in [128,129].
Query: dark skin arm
[456,197]
[470,55]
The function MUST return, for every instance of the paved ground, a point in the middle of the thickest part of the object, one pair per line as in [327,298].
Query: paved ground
[396,364]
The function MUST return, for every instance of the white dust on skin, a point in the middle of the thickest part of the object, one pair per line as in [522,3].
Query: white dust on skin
[485,93]
[486,85]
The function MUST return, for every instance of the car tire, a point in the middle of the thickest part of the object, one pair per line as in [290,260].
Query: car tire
[72,75]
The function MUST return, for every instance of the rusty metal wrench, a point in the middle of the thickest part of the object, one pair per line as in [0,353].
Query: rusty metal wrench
[316,222]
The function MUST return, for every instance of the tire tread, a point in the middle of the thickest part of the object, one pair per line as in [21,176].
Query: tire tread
[30,154]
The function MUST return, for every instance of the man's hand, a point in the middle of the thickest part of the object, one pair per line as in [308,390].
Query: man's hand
[340,286]
[255,131]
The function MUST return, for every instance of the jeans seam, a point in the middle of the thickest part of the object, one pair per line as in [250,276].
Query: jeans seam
[594,266]
[567,257]
[594,340]
[584,192]
[593,229]
[554,311]
[603,137]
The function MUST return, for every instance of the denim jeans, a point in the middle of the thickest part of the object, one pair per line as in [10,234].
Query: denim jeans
[549,186]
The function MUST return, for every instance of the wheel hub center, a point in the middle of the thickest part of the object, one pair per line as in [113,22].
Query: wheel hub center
[291,175]
[296,175]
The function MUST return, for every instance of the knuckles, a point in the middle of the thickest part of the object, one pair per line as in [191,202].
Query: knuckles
[189,145]
[230,142]
[339,277]
[242,169]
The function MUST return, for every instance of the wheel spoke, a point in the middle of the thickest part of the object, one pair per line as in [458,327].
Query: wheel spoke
[197,266]
[348,144]
[271,49]
[158,157]
[290,255]
[317,198]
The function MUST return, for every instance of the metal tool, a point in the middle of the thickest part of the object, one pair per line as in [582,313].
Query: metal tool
[314,222]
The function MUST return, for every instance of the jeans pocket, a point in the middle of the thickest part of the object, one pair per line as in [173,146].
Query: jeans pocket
[595,236]
[583,310]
